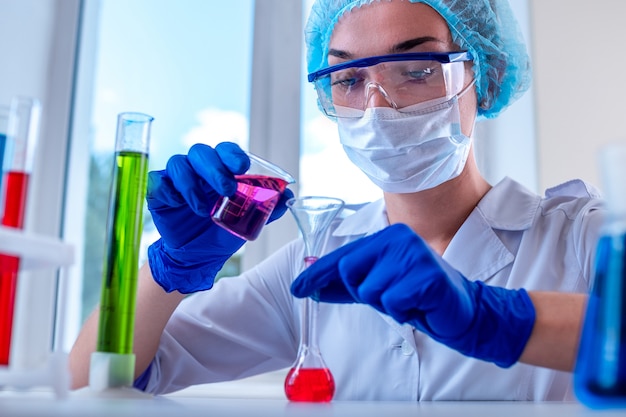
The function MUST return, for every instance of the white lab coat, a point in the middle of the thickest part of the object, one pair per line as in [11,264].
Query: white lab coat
[250,324]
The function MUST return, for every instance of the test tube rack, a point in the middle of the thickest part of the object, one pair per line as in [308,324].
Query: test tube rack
[36,252]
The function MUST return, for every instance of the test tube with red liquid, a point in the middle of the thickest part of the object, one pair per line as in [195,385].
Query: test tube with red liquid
[21,143]
[258,190]
[309,379]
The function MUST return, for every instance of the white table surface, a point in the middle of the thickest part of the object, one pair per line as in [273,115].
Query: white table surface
[260,396]
[26,404]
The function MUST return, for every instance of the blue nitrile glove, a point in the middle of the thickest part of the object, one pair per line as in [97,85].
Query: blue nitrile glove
[192,249]
[397,273]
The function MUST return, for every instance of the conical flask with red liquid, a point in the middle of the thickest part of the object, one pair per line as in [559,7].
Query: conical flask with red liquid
[309,379]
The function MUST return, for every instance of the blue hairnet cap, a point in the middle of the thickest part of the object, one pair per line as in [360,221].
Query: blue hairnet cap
[486,28]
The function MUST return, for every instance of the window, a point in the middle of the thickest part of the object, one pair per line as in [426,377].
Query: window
[185,63]
[324,167]
[207,72]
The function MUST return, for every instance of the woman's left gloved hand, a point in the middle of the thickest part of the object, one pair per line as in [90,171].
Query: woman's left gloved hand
[398,274]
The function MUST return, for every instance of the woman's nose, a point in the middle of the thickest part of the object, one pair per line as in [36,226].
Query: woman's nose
[376,96]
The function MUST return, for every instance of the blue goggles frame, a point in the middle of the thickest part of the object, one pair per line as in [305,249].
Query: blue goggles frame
[442,57]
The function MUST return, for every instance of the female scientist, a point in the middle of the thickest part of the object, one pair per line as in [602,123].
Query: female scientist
[448,288]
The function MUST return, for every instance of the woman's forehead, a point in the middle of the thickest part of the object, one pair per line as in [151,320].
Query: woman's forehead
[380,28]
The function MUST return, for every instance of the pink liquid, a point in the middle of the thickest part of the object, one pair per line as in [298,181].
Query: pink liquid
[310,260]
[246,212]
[309,385]
[15,206]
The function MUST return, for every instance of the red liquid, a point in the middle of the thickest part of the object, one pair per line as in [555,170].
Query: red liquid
[15,206]
[246,212]
[309,385]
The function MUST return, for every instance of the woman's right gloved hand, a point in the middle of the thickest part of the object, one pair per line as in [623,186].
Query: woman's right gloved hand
[398,274]
[192,249]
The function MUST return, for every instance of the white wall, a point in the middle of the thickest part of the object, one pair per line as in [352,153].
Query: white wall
[579,84]
[25,62]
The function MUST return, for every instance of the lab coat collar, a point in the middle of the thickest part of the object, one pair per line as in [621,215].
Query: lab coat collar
[507,206]
[476,250]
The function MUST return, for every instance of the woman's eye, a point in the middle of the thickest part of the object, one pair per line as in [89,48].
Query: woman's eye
[419,74]
[343,82]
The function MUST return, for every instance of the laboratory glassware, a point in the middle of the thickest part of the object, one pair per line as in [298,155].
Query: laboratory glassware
[258,190]
[113,363]
[4,124]
[309,379]
[4,129]
[20,148]
[600,370]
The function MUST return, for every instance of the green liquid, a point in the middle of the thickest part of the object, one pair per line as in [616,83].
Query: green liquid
[124,228]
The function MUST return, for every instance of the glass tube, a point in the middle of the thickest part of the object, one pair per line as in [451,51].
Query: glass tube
[309,379]
[600,371]
[19,146]
[123,236]
[4,125]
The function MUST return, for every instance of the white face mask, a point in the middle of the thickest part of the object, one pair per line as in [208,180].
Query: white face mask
[408,151]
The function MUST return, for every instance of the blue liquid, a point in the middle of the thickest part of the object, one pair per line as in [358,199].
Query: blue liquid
[600,374]
[3,141]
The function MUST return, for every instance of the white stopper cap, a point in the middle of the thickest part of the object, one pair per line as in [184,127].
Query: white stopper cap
[111,370]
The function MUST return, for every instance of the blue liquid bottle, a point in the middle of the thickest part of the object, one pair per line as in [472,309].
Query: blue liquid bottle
[600,372]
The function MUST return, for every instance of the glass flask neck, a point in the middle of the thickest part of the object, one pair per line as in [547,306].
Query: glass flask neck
[308,326]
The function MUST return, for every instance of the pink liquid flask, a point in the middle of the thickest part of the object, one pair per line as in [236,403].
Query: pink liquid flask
[246,212]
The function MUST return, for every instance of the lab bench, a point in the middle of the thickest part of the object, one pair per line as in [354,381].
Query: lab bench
[16,405]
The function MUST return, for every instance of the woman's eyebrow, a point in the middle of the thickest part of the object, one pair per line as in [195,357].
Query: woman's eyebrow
[397,48]
[412,43]
[340,54]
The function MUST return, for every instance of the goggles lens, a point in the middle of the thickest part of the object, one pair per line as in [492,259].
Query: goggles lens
[404,80]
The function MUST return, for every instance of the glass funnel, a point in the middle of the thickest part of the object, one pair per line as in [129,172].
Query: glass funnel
[309,379]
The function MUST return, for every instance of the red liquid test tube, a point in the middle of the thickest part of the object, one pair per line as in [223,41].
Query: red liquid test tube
[21,142]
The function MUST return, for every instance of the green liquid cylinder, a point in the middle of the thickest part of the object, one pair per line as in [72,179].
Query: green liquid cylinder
[124,229]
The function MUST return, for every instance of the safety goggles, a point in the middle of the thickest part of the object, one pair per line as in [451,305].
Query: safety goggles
[344,90]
